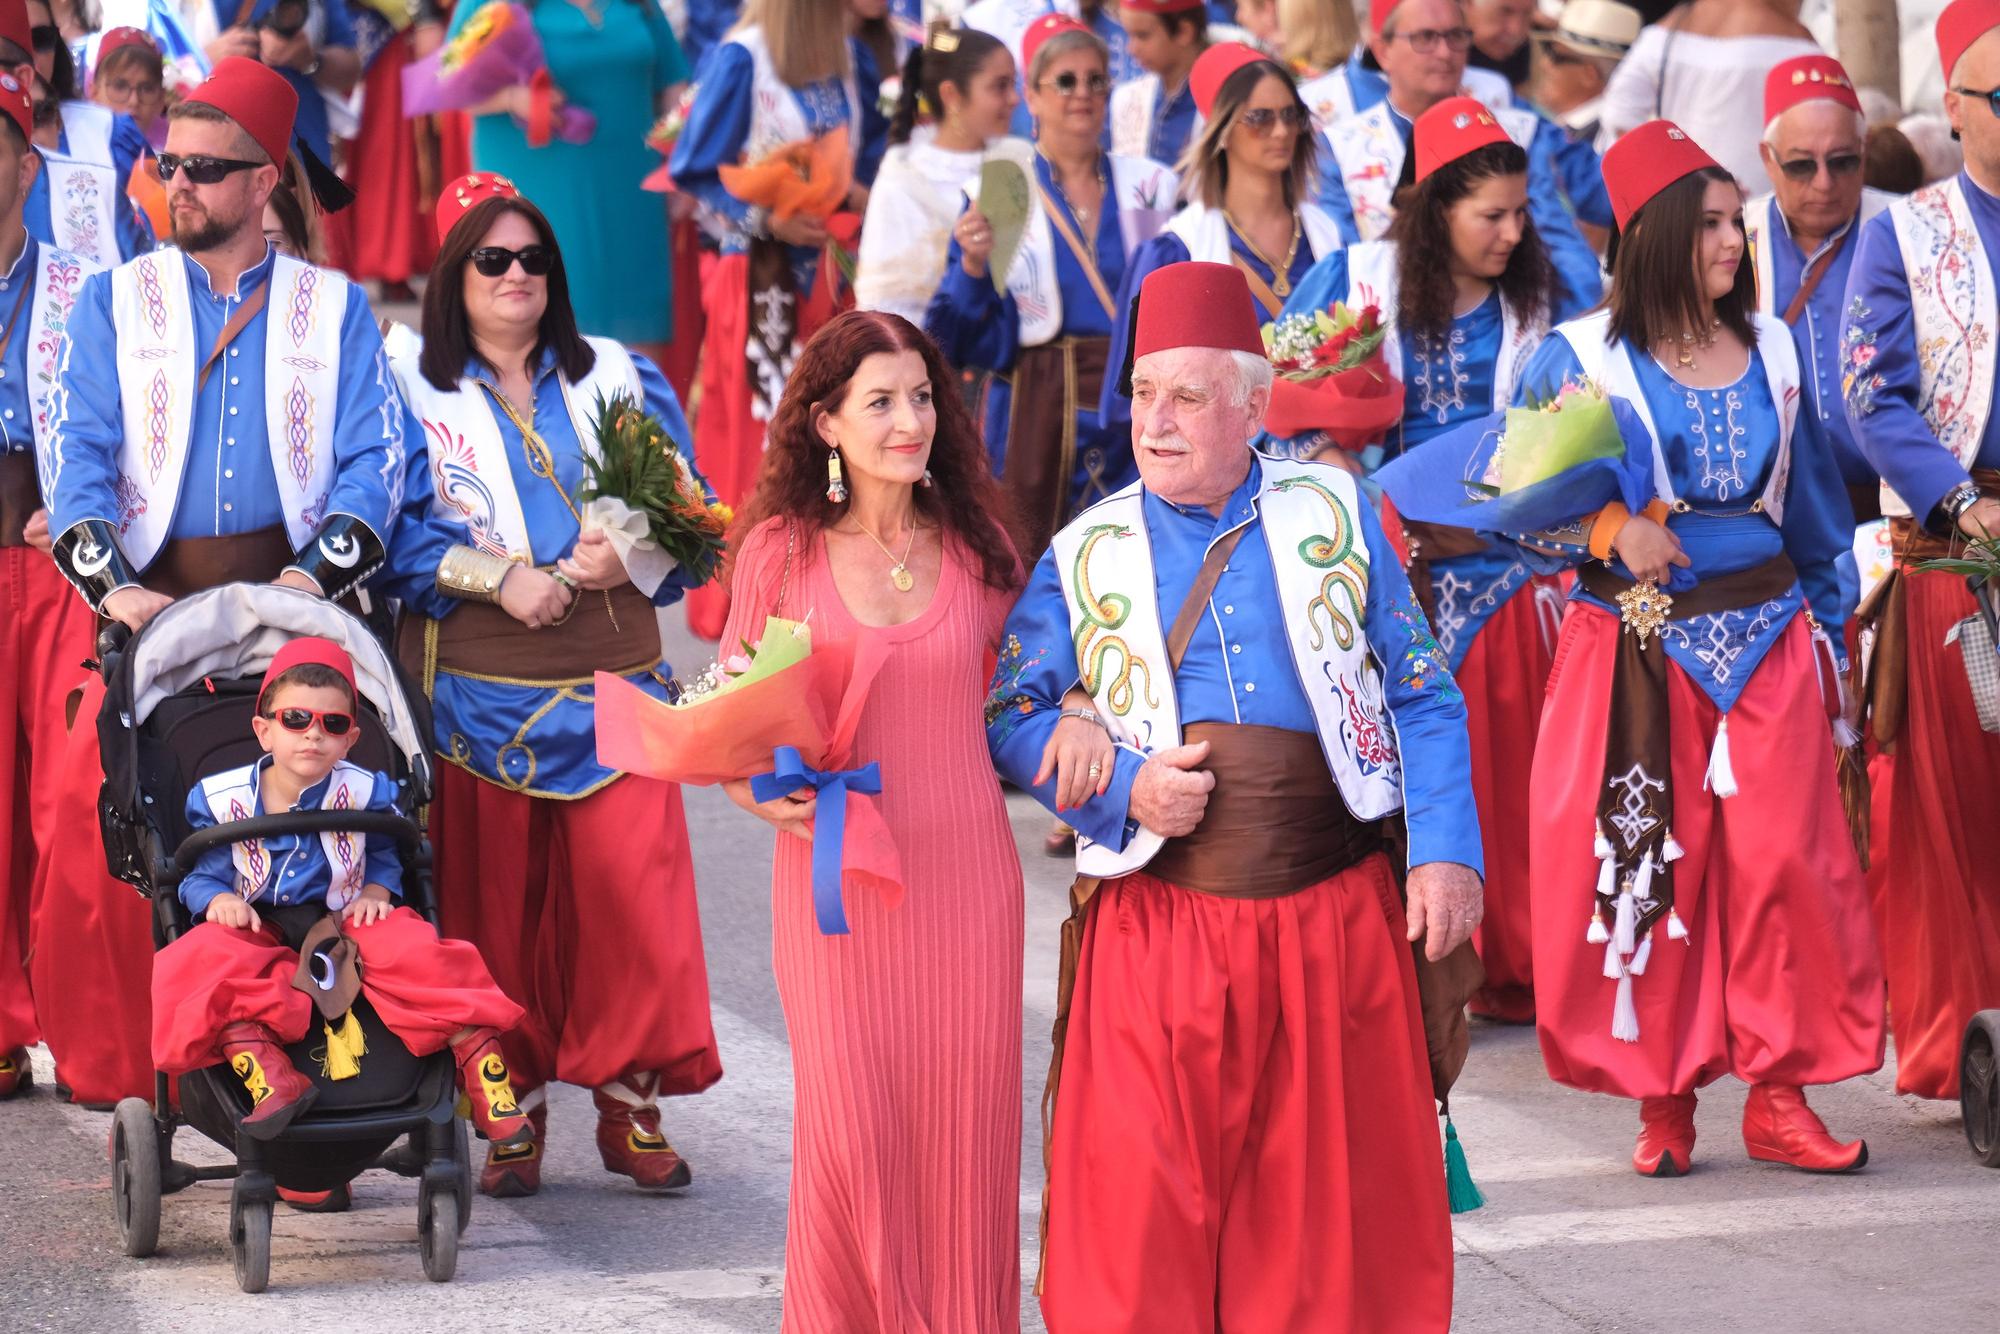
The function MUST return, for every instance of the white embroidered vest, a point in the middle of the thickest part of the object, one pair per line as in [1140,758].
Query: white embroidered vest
[1205,232]
[1145,193]
[1761,219]
[232,796]
[158,364]
[1330,97]
[776,119]
[1952,306]
[1132,115]
[1368,151]
[1371,281]
[471,480]
[1610,365]
[84,185]
[1105,560]
[57,277]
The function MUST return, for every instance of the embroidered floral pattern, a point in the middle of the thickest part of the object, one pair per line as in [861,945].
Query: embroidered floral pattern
[1858,382]
[61,276]
[131,501]
[1440,375]
[1007,706]
[1361,699]
[80,227]
[1424,666]
[1718,444]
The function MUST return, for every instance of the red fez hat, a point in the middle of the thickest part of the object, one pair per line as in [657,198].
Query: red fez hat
[459,197]
[300,652]
[1962,23]
[120,38]
[1196,305]
[257,98]
[19,104]
[1043,28]
[1453,128]
[1213,67]
[1646,161]
[1807,79]
[14,26]
[1160,6]
[1379,12]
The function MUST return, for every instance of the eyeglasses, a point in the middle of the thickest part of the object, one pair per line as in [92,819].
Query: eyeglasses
[1425,40]
[493,261]
[46,37]
[300,720]
[123,88]
[1990,98]
[202,169]
[1263,120]
[1069,83]
[1804,170]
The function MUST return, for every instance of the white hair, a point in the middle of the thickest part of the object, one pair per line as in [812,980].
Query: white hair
[1771,130]
[1930,134]
[1253,372]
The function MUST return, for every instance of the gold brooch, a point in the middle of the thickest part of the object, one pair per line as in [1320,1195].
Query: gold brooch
[1644,608]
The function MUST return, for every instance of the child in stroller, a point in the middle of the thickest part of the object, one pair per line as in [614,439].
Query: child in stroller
[224,992]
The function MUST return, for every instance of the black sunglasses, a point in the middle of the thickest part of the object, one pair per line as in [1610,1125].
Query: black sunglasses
[202,169]
[1991,97]
[494,260]
[298,720]
[1262,120]
[1804,169]
[1069,83]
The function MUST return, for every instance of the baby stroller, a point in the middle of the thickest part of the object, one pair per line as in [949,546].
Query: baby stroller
[179,697]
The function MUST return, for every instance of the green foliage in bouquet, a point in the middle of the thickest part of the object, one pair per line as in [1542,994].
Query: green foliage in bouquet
[637,462]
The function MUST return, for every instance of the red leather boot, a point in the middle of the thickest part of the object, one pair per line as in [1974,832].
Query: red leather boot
[15,1072]
[278,1092]
[1778,1127]
[1666,1136]
[513,1171]
[489,1094]
[629,1139]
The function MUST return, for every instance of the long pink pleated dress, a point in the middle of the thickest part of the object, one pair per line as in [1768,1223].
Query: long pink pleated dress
[906,1033]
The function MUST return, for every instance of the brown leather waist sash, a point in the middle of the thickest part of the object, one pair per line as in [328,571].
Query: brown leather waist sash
[1726,592]
[191,564]
[1275,824]
[20,496]
[1916,543]
[612,631]
[1050,383]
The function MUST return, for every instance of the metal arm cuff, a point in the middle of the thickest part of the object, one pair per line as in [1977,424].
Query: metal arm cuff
[472,575]
[343,553]
[89,558]
[1942,521]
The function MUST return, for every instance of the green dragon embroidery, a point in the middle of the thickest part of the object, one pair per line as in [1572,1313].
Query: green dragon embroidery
[1342,558]
[1096,645]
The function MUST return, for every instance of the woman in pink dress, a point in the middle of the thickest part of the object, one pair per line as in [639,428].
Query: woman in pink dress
[872,519]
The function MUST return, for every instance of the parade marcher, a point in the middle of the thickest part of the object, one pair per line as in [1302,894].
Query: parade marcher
[1500,33]
[80,200]
[1421,46]
[906,1032]
[225,413]
[1154,116]
[1315,39]
[963,81]
[1460,333]
[48,629]
[1802,238]
[131,79]
[312,45]
[787,73]
[1248,181]
[1695,791]
[574,880]
[1918,360]
[1009,20]
[1049,334]
[1242,1133]
[1578,54]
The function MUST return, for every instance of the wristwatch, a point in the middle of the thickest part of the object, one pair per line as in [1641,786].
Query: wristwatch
[1943,520]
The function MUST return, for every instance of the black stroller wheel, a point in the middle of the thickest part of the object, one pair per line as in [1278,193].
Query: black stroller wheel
[1979,1085]
[250,1242]
[135,1177]
[439,1221]
[461,1148]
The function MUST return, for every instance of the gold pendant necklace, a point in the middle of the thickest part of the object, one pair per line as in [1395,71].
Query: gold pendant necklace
[1281,274]
[1691,342]
[899,573]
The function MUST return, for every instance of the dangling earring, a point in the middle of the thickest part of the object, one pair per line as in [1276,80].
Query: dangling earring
[836,486]
[927,478]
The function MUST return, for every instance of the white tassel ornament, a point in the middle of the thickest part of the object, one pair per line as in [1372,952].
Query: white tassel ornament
[1624,1018]
[1721,776]
[1676,929]
[1599,933]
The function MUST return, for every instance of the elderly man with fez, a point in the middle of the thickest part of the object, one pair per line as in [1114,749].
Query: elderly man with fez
[1920,360]
[1242,1134]
[1802,235]
[224,413]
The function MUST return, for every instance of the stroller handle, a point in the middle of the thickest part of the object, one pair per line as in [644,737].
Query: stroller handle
[399,827]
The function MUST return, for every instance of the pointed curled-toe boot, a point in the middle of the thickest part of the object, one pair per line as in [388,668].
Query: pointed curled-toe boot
[1666,1136]
[513,1170]
[278,1092]
[629,1139]
[1778,1127]
[489,1094]
[16,1073]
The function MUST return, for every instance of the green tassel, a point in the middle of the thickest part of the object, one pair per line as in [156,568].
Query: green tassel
[1458,1184]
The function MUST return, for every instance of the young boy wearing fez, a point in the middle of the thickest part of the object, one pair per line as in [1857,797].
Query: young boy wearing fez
[224,991]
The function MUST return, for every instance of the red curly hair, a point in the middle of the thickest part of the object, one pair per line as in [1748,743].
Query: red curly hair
[963,498]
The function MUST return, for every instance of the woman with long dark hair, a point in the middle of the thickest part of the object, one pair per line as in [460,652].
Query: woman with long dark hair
[574,880]
[1466,290]
[1698,907]
[874,520]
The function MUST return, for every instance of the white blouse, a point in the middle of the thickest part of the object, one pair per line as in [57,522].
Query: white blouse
[918,195]
[1701,84]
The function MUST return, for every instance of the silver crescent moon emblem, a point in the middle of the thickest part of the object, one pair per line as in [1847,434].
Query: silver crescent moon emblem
[343,551]
[89,558]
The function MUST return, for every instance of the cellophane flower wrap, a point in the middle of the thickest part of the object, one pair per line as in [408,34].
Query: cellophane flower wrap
[805,178]
[641,491]
[1331,376]
[663,137]
[783,710]
[496,49]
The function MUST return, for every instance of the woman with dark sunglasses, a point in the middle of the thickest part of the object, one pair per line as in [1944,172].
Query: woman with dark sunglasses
[574,880]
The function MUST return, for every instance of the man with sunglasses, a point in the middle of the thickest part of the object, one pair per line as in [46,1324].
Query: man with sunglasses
[1801,235]
[224,412]
[1920,358]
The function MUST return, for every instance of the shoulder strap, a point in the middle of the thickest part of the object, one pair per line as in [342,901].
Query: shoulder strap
[1205,581]
[1083,253]
[1813,275]
[233,326]
[1260,289]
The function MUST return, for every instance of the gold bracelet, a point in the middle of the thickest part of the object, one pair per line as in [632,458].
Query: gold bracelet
[472,575]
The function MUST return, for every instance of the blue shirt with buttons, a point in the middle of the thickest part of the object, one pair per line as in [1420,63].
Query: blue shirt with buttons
[1817,333]
[299,871]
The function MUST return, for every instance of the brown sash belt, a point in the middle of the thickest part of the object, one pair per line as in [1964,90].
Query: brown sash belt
[612,631]
[1050,381]
[20,496]
[1435,541]
[192,564]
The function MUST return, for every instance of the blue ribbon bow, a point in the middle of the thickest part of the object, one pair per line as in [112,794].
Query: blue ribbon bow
[830,823]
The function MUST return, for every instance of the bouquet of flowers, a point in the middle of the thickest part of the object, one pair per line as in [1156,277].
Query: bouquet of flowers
[1551,437]
[782,713]
[1332,376]
[640,490]
[809,177]
[662,138]
[497,49]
